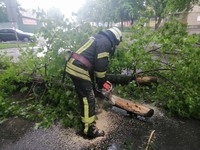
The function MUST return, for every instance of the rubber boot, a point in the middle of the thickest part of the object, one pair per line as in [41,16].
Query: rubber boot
[94,132]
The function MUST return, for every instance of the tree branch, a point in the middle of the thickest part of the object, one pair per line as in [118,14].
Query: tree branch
[155,70]
[155,49]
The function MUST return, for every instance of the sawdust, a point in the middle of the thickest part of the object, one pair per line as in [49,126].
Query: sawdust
[106,121]
[103,121]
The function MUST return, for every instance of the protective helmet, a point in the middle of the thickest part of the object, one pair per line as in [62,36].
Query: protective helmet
[114,35]
[117,33]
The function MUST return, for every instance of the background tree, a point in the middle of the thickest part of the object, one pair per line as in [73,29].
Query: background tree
[108,11]
[158,7]
[164,8]
[180,5]
[54,13]
[4,17]
[3,12]
[97,11]
[134,9]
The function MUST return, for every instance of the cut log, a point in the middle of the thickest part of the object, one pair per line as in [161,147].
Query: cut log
[119,79]
[146,80]
[131,107]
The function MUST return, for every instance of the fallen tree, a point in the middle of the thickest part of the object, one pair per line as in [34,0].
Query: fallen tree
[126,79]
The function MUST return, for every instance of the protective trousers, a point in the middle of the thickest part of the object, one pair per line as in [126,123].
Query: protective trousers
[86,96]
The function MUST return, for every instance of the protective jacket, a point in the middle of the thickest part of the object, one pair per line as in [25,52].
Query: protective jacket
[96,50]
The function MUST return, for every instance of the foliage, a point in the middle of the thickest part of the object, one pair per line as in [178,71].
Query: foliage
[108,12]
[135,9]
[4,104]
[100,11]
[158,8]
[3,12]
[12,45]
[170,54]
[115,11]
[179,5]
[182,88]
[46,99]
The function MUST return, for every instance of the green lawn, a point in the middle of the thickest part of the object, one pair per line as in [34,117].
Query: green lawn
[13,45]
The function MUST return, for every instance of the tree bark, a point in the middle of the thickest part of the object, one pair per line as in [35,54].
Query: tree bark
[116,79]
[125,79]
[131,107]
[119,79]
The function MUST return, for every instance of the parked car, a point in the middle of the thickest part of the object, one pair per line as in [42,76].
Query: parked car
[10,35]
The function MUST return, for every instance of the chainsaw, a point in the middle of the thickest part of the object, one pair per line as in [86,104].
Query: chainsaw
[130,106]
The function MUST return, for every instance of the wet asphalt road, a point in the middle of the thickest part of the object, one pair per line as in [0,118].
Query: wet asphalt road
[122,133]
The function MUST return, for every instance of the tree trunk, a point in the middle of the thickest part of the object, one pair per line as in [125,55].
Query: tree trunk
[125,79]
[116,79]
[131,107]
[119,79]
[132,21]
[158,21]
[146,80]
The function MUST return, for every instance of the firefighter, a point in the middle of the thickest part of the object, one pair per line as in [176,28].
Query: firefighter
[87,68]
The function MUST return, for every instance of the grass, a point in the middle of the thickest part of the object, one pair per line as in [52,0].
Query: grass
[13,45]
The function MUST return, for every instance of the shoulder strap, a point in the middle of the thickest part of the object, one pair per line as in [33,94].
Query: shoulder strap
[69,53]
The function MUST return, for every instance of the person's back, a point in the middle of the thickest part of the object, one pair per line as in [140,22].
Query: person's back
[92,47]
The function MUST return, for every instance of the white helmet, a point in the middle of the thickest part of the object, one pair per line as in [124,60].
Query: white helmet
[117,33]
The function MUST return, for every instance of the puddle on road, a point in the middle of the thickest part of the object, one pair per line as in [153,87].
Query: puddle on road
[13,129]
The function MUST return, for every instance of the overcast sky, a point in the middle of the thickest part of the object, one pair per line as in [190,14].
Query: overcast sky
[65,6]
